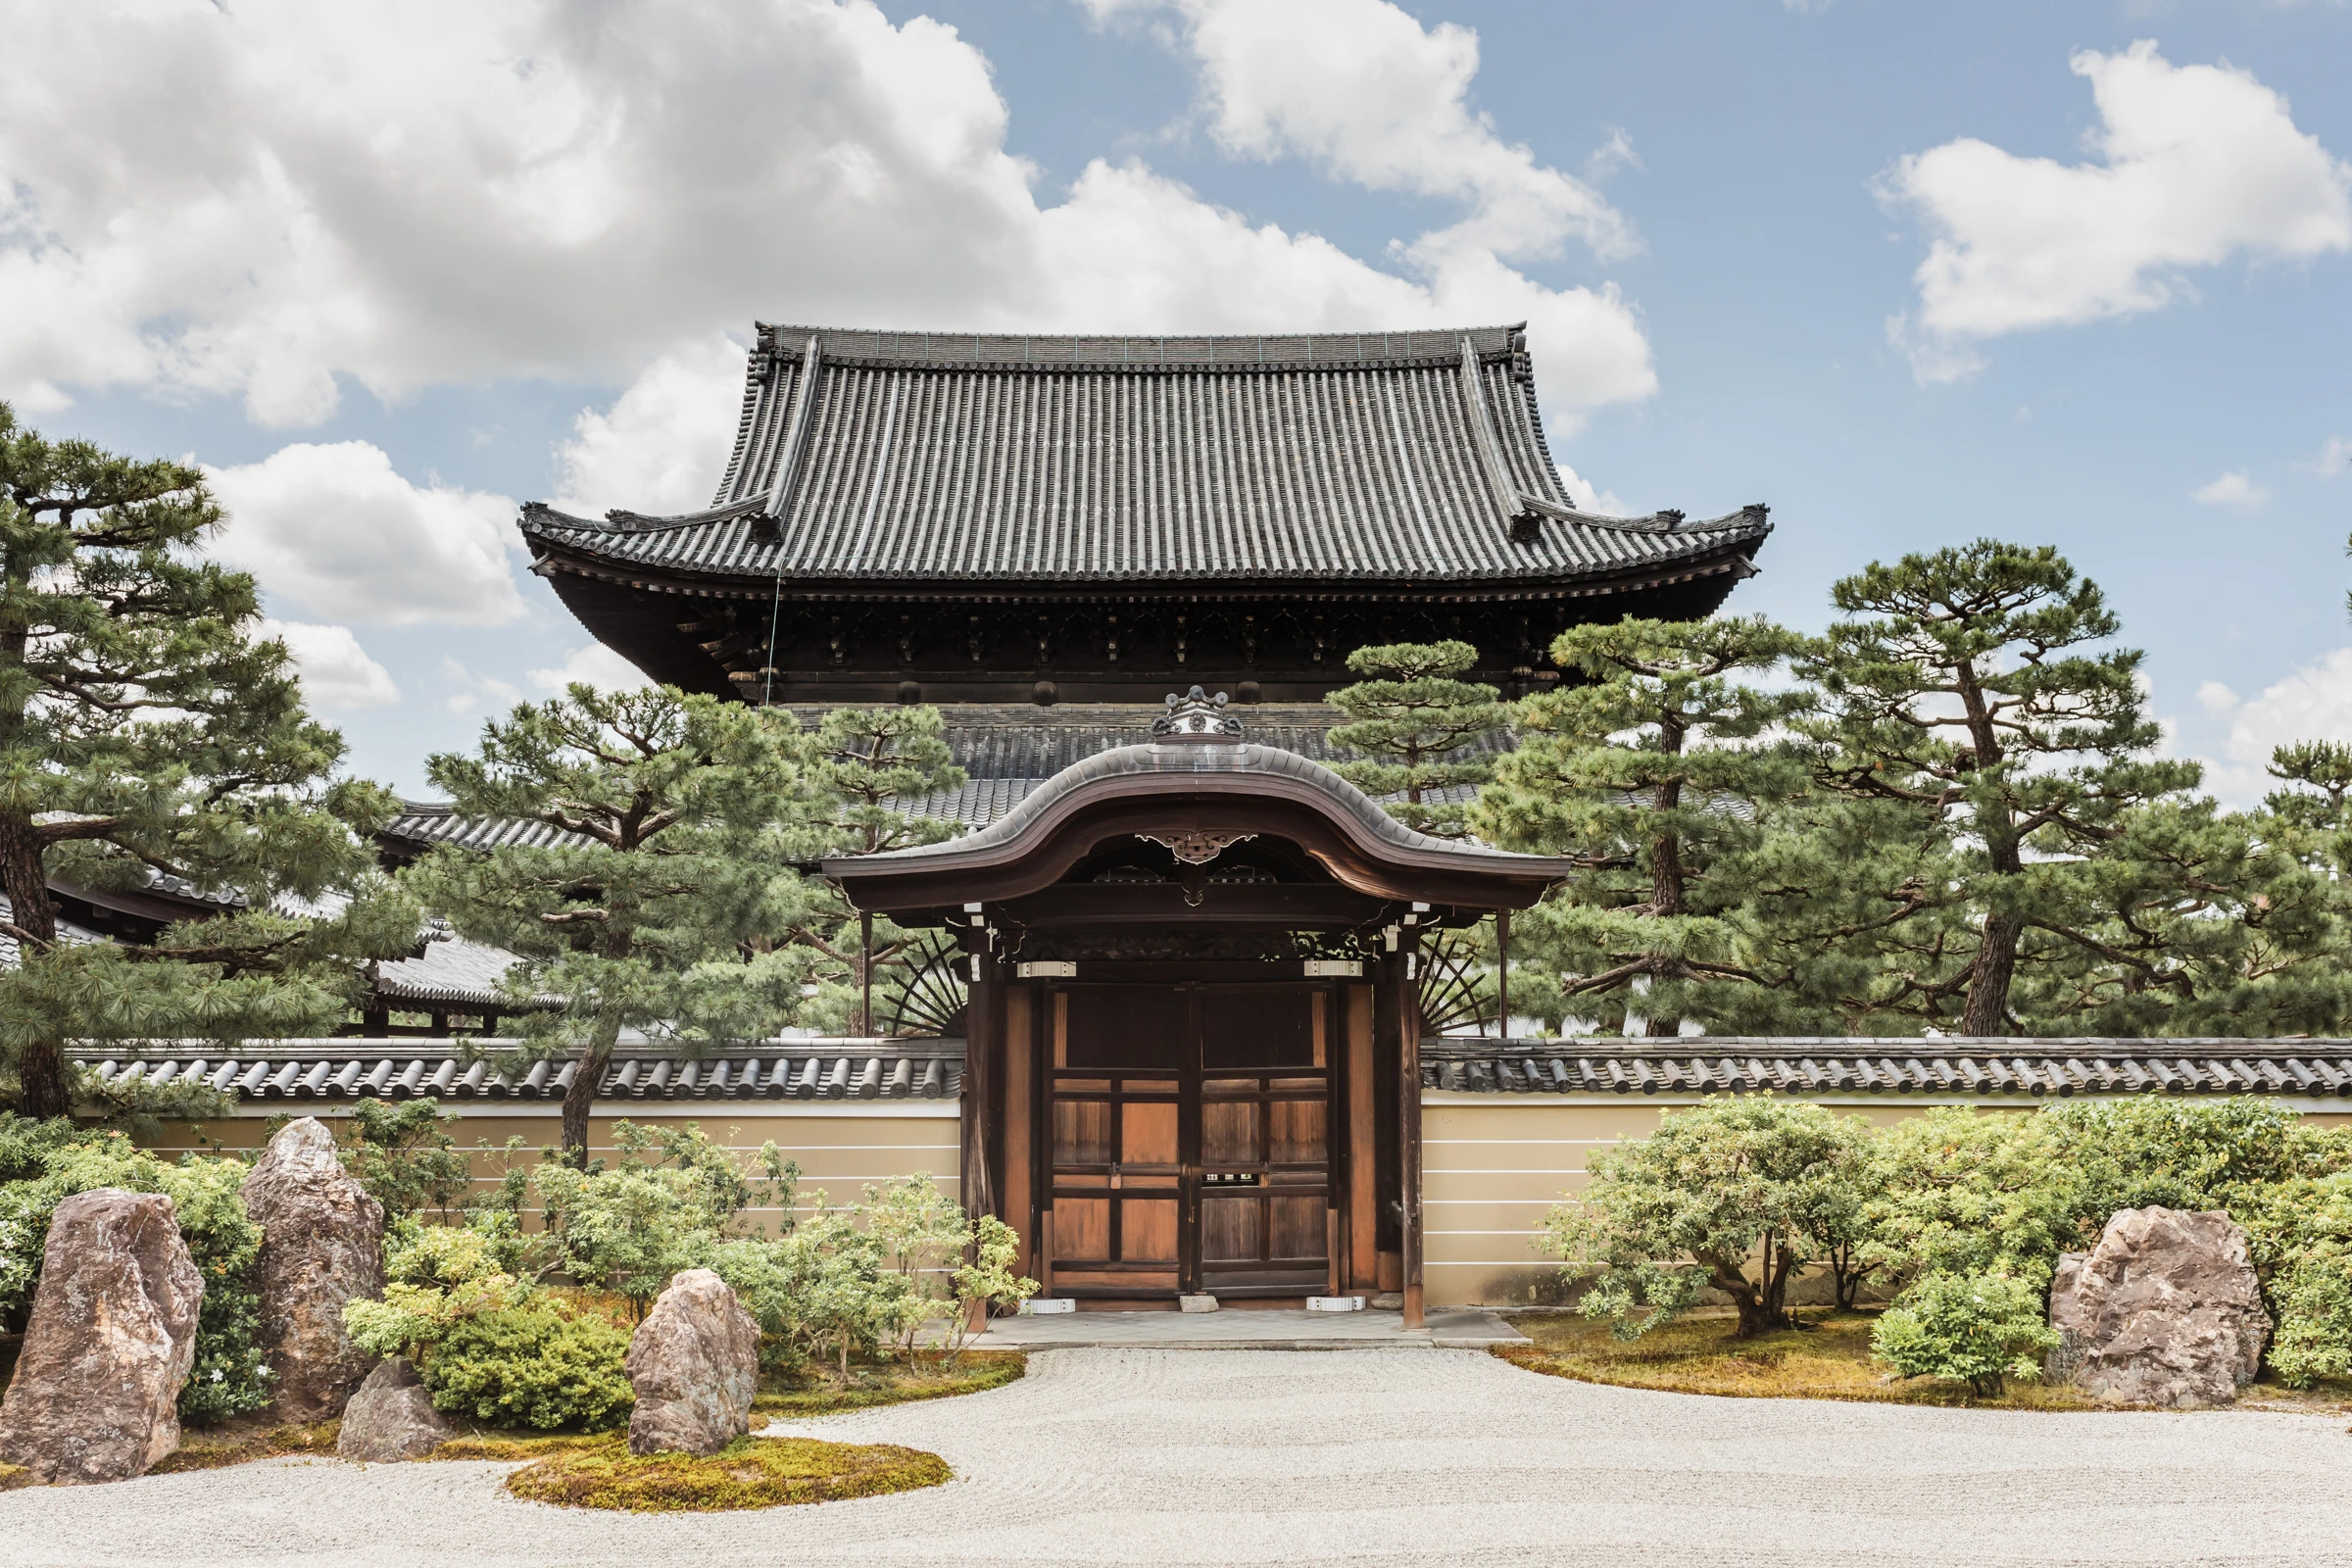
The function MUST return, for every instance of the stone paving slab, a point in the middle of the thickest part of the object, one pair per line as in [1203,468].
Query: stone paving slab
[1240,1329]
[1430,1458]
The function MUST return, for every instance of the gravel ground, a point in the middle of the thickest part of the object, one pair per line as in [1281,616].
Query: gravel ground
[1372,1457]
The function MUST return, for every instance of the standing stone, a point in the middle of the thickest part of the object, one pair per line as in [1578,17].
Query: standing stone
[695,1367]
[113,1335]
[2165,1311]
[322,1245]
[392,1417]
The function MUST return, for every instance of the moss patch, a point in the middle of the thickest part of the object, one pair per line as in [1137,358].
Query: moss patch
[749,1473]
[818,1393]
[510,1446]
[1829,1358]
[13,1476]
[242,1442]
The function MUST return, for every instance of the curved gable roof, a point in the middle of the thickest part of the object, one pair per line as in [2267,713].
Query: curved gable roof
[1189,784]
[893,455]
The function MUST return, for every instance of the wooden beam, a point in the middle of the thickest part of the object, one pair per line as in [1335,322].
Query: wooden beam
[1406,972]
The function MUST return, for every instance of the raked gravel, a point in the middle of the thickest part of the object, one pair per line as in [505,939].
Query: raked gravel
[1397,1456]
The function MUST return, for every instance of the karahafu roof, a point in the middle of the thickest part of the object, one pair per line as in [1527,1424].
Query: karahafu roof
[1339,456]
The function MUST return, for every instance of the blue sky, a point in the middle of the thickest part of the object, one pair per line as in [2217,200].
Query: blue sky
[391,275]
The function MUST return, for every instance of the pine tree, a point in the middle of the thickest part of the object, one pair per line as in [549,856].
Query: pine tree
[1970,684]
[871,769]
[683,816]
[1649,775]
[147,730]
[1415,719]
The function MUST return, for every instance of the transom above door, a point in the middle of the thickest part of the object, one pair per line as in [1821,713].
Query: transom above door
[1189,1148]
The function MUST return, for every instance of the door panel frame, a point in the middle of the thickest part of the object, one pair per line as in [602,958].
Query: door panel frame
[1047,1046]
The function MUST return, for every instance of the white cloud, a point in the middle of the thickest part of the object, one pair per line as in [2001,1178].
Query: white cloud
[1601,502]
[659,448]
[2313,703]
[1364,91]
[2215,698]
[336,672]
[260,199]
[2334,457]
[2194,165]
[591,666]
[337,530]
[2232,489]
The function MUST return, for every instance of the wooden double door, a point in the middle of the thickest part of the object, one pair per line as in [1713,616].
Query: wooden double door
[1188,1145]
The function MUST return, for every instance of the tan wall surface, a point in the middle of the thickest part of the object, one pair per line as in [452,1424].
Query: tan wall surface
[840,1145]
[1492,1163]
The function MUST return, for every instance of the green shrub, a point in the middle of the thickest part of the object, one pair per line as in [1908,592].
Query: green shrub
[533,1365]
[2300,1233]
[1961,1192]
[664,1206]
[1746,1187]
[436,1276]
[2182,1153]
[1981,1329]
[52,1162]
[402,1154]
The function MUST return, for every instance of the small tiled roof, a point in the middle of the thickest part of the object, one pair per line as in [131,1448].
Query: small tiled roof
[422,824]
[937,457]
[451,972]
[407,1069]
[68,933]
[2033,1068]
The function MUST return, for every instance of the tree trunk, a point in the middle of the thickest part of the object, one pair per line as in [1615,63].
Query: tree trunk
[24,877]
[1989,978]
[579,1098]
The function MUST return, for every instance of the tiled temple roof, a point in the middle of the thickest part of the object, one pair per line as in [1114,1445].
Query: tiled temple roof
[404,1070]
[946,458]
[2030,1068]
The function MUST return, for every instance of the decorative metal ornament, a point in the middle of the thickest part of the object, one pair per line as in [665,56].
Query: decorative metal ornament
[1197,716]
[1196,849]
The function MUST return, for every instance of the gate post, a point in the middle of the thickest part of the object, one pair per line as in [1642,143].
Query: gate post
[1407,972]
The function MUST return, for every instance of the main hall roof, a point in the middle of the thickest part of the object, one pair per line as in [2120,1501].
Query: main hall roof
[1358,456]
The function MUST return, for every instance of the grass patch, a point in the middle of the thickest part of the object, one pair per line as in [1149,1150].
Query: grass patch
[820,1392]
[243,1440]
[1829,1358]
[749,1473]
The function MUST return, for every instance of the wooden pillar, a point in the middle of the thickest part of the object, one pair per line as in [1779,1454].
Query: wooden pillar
[1502,974]
[983,1009]
[982,1030]
[1407,971]
[1019,1152]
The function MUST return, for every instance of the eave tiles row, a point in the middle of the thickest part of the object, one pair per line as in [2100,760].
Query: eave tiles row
[354,1069]
[2026,1067]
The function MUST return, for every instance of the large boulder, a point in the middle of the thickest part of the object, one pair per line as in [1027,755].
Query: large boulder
[322,1245]
[695,1367]
[392,1417]
[113,1335]
[2164,1312]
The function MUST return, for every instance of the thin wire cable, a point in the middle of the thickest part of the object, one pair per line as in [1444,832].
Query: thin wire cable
[775,610]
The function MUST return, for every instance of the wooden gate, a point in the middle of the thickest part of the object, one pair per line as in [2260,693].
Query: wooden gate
[1190,1147]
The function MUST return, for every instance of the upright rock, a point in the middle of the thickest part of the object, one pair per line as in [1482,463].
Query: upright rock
[322,1245]
[695,1366]
[2164,1310]
[392,1417]
[113,1334]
